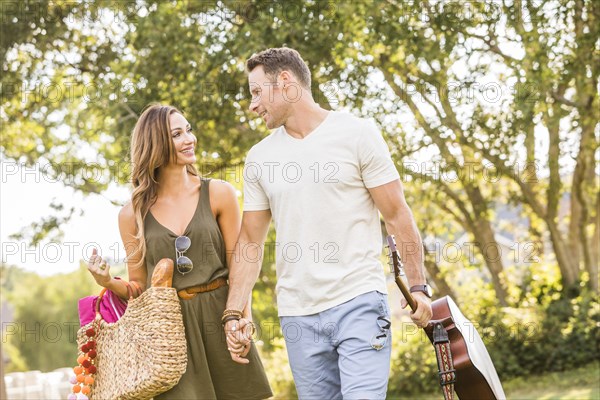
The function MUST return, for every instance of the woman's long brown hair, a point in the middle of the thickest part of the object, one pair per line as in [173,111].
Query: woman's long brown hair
[151,148]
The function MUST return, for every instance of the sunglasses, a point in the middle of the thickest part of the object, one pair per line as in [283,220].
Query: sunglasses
[379,341]
[184,264]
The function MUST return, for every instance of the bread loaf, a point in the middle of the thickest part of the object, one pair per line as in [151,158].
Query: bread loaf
[163,273]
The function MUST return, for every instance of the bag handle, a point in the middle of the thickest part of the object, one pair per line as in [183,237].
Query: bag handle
[98,300]
[129,295]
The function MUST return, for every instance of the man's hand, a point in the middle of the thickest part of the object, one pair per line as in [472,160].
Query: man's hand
[239,337]
[423,313]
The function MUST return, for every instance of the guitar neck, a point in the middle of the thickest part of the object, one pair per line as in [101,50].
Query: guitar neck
[405,291]
[396,262]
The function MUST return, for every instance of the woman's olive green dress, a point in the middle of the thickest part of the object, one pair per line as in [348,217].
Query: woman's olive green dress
[211,373]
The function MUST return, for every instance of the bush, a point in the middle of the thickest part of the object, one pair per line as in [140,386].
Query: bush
[413,365]
[555,334]
[546,332]
[42,335]
[278,370]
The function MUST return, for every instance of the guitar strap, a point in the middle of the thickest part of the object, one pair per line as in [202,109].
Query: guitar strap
[447,373]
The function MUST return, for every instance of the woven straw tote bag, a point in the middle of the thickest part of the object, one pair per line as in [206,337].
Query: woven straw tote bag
[144,353]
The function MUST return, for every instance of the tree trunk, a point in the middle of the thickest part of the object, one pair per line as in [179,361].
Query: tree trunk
[587,193]
[441,286]
[575,245]
[583,193]
[492,254]
[485,240]
[585,187]
[568,270]
[595,248]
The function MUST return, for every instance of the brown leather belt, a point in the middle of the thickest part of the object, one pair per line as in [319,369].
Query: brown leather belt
[191,292]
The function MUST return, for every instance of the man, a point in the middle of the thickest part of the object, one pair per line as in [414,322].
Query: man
[322,176]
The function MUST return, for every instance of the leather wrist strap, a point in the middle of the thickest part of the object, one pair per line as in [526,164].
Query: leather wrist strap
[421,288]
[228,313]
[228,318]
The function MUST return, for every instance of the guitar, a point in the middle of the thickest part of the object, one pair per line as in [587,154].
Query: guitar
[463,360]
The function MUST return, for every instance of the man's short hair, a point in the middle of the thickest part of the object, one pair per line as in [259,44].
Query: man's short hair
[275,60]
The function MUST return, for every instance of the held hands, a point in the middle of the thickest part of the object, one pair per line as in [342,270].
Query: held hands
[99,269]
[423,313]
[239,337]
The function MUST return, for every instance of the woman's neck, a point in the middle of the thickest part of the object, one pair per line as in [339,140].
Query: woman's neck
[174,180]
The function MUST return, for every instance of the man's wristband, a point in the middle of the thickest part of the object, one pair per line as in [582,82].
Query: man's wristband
[228,318]
[228,313]
[422,288]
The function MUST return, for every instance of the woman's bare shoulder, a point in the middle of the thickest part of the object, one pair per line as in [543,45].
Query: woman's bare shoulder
[127,215]
[222,190]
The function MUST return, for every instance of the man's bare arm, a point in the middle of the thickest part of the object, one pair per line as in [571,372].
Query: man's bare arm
[247,258]
[244,267]
[399,221]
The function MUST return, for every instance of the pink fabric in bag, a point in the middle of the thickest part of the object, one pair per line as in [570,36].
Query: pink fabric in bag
[112,307]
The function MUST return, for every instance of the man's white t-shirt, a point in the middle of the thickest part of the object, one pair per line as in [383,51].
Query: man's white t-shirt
[328,229]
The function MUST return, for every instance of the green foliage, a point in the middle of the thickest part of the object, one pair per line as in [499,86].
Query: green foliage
[278,370]
[554,334]
[42,335]
[264,303]
[558,333]
[416,68]
[413,366]
[398,62]
[546,332]
[569,335]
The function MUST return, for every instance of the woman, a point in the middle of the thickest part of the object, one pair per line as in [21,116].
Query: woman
[176,213]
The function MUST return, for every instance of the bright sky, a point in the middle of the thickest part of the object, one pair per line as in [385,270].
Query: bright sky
[25,195]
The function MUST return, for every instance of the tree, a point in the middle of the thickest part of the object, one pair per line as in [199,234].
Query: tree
[46,317]
[428,50]
[425,71]
[559,91]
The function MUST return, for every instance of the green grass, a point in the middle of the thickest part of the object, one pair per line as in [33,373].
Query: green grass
[578,384]
[581,383]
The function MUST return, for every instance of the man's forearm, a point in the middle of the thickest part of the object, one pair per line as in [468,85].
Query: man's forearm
[243,273]
[247,311]
[410,247]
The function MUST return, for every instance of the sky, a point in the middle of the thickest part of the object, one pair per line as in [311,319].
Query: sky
[25,196]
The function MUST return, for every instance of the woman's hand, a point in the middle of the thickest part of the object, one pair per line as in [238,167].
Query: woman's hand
[99,269]
[239,339]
